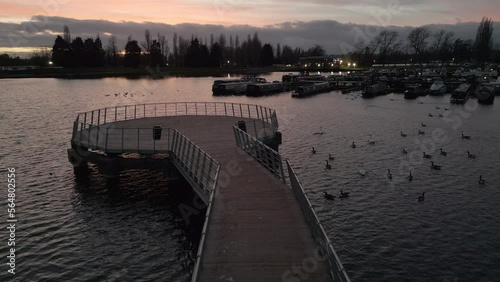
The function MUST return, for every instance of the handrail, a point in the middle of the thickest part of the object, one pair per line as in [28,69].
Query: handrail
[272,161]
[337,270]
[262,153]
[129,112]
[201,246]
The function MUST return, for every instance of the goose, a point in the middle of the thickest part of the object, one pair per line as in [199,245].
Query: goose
[446,109]
[421,132]
[410,177]
[481,180]
[470,156]
[313,151]
[430,115]
[389,174]
[437,108]
[423,124]
[344,194]
[353,145]
[441,115]
[402,134]
[435,167]
[361,170]
[421,198]
[328,166]
[443,153]
[427,156]
[107,95]
[330,158]
[404,151]
[321,132]
[465,136]
[328,196]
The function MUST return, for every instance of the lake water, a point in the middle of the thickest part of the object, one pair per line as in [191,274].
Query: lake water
[133,230]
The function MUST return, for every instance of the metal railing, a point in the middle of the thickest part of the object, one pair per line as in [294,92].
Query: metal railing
[272,161]
[204,232]
[130,112]
[262,153]
[337,271]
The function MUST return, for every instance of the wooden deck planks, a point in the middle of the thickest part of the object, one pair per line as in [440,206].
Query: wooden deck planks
[257,231]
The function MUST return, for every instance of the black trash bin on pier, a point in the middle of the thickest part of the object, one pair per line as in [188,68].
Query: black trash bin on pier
[157,132]
[242,125]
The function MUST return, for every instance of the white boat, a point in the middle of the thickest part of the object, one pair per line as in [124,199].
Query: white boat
[437,88]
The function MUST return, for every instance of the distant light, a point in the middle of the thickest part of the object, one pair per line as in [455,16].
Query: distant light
[228,62]
[349,64]
[50,63]
[305,65]
[354,64]
[348,72]
[341,61]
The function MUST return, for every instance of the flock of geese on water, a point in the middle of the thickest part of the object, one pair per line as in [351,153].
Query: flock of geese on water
[362,172]
[126,94]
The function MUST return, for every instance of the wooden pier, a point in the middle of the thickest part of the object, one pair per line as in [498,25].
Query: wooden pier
[259,225]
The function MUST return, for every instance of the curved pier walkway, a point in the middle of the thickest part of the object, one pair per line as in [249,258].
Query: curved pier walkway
[255,228]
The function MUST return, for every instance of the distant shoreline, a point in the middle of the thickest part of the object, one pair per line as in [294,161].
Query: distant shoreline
[145,72]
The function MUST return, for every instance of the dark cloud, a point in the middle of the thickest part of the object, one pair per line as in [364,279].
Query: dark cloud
[334,36]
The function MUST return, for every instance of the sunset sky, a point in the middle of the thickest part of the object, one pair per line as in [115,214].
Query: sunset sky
[253,12]
[34,23]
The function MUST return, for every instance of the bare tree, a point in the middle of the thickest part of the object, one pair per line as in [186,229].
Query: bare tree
[484,40]
[163,46]
[418,39]
[146,44]
[386,42]
[112,49]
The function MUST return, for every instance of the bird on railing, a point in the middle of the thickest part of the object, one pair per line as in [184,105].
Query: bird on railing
[353,145]
[313,151]
[328,166]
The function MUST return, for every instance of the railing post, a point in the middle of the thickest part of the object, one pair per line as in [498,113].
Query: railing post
[249,115]
[126,112]
[257,110]
[215,108]
[241,111]
[115,113]
[88,137]
[138,137]
[106,143]
[99,117]
[122,138]
[281,168]
[232,106]
[105,113]
[225,108]
[97,138]
[92,118]
[196,108]
[155,109]
[186,108]
[144,109]
[135,111]
[206,111]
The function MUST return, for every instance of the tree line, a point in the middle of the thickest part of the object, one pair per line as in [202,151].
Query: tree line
[193,52]
[422,45]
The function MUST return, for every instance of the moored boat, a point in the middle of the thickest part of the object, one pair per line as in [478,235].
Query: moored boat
[311,89]
[259,89]
[413,91]
[461,94]
[374,90]
[234,87]
[485,94]
[437,88]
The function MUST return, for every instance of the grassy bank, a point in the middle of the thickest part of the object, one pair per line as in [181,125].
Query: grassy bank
[87,73]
